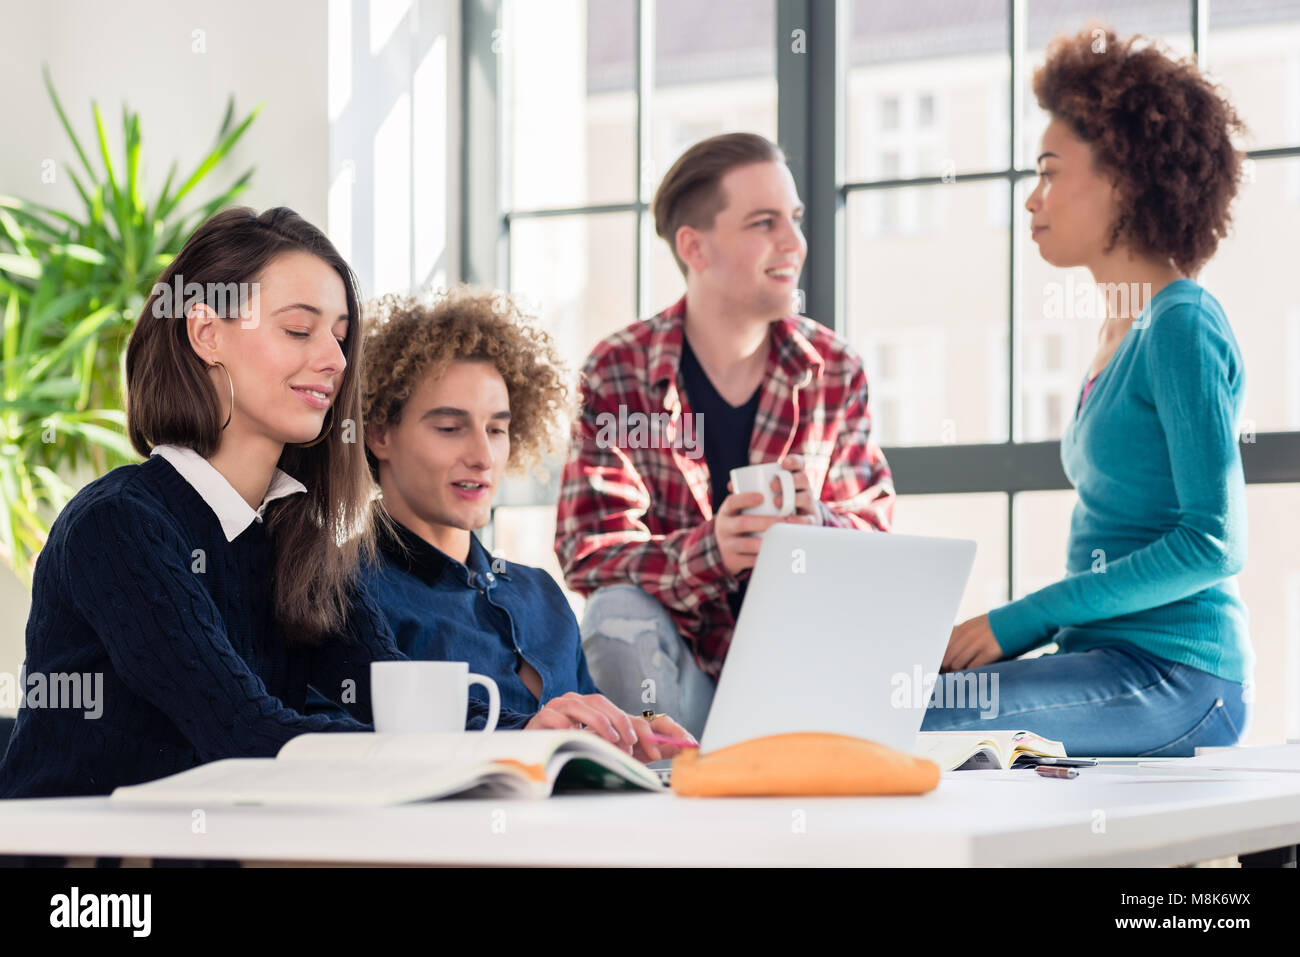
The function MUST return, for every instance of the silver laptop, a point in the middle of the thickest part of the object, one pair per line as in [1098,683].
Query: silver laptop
[837,634]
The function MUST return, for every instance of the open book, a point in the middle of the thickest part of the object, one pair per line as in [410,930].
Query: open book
[979,750]
[366,768]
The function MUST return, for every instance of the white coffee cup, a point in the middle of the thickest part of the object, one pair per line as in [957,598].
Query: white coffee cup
[758,478]
[411,696]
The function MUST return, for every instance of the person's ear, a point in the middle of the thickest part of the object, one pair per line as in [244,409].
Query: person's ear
[1116,193]
[690,247]
[377,437]
[204,328]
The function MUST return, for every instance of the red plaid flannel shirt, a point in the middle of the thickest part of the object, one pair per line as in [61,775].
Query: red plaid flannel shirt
[642,515]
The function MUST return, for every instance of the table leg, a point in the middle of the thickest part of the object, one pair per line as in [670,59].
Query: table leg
[1277,857]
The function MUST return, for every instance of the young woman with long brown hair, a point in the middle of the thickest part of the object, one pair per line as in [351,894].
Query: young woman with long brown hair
[203,591]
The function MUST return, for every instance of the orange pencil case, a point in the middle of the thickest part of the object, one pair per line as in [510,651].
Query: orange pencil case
[807,763]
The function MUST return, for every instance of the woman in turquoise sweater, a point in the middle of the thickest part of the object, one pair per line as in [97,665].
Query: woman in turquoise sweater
[1136,174]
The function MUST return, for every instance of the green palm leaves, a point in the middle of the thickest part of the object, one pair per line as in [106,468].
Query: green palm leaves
[71,287]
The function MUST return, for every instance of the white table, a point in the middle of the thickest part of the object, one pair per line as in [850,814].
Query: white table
[1109,815]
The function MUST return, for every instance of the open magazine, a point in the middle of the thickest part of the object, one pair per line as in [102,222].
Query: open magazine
[980,750]
[366,768]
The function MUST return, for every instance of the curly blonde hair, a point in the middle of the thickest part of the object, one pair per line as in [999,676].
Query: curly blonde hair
[408,338]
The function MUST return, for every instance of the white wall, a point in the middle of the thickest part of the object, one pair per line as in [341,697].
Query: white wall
[143,52]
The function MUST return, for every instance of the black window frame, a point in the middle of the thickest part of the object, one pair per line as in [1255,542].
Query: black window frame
[811,79]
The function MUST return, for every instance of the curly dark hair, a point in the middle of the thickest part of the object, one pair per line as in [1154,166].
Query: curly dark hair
[1159,129]
[407,338]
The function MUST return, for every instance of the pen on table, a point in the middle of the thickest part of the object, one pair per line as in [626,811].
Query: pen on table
[1048,771]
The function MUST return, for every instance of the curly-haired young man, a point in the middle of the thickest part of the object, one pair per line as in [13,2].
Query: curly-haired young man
[454,393]
[648,528]
[1137,171]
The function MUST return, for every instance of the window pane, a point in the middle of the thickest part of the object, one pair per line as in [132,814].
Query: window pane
[579,271]
[1252,277]
[526,534]
[667,284]
[1169,21]
[1270,587]
[715,72]
[1254,51]
[1042,530]
[981,518]
[927,307]
[571,102]
[927,88]
[1058,325]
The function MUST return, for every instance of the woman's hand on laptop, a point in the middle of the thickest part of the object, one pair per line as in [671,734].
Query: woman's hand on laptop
[972,644]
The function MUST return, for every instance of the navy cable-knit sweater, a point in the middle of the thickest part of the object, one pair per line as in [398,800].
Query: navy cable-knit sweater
[138,582]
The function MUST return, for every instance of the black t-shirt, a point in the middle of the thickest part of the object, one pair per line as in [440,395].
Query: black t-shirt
[726,433]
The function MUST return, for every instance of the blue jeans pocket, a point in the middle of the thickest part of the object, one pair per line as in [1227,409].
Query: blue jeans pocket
[1215,729]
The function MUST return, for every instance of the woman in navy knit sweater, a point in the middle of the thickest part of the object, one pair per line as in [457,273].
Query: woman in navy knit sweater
[191,599]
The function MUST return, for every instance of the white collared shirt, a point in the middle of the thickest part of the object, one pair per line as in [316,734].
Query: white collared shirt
[229,506]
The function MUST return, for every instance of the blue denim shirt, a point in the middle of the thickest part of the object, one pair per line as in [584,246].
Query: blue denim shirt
[488,612]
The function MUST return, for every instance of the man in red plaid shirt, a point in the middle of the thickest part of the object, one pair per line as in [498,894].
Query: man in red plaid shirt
[728,376]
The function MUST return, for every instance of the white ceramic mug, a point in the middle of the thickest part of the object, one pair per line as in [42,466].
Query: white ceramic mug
[409,696]
[758,478]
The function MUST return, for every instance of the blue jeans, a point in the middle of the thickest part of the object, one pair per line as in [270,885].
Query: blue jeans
[639,660]
[1116,701]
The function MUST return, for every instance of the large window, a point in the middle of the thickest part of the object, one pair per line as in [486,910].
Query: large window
[598,98]
[601,97]
[975,348]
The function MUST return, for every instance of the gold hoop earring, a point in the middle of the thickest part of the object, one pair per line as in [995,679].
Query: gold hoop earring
[325,431]
[216,362]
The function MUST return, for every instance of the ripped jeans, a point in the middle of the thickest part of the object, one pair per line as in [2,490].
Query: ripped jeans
[639,660]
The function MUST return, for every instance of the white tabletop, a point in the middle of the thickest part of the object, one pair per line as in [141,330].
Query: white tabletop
[1109,815]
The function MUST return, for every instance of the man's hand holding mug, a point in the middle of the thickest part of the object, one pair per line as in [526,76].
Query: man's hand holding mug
[761,496]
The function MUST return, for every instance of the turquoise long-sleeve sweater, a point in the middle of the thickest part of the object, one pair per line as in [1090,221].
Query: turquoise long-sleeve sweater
[1159,531]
